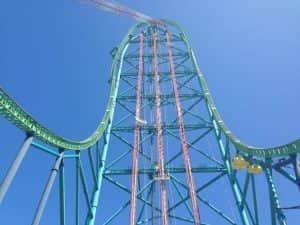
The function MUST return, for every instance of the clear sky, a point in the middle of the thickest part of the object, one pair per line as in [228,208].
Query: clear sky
[55,62]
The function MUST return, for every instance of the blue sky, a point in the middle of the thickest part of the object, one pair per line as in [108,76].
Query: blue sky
[55,62]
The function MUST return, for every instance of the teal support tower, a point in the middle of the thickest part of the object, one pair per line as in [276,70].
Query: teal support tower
[161,154]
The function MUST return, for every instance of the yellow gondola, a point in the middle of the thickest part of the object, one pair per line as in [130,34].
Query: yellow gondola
[254,169]
[239,163]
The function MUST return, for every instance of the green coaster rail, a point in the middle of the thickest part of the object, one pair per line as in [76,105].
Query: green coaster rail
[13,112]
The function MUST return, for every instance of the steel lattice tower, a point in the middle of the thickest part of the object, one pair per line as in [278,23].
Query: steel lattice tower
[161,155]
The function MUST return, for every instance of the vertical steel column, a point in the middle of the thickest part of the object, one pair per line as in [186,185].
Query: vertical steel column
[296,167]
[62,194]
[163,193]
[46,193]
[14,167]
[96,194]
[232,177]
[275,206]
[227,163]
[183,140]
[135,157]
[254,199]
[77,168]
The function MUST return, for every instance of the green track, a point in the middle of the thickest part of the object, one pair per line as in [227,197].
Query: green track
[10,110]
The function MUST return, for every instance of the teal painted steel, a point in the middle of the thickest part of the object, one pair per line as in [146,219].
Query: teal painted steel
[101,169]
[14,113]
[44,148]
[254,199]
[276,211]
[231,176]
[127,203]
[77,197]
[85,187]
[62,193]
[96,194]
[220,213]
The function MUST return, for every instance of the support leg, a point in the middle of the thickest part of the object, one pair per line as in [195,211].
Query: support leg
[43,201]
[14,167]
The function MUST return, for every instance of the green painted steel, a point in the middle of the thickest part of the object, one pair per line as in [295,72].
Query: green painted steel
[276,210]
[287,149]
[232,178]
[101,170]
[19,117]
[99,178]
[62,193]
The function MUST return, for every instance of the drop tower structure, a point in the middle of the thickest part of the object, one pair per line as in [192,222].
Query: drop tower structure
[161,154]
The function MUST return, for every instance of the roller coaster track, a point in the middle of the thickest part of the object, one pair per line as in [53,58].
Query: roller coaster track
[13,112]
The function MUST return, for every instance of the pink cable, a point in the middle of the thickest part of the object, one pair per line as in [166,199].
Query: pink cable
[184,146]
[162,175]
[134,175]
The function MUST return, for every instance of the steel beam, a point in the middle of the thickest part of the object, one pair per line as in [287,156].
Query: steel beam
[62,194]
[96,193]
[14,167]
[46,193]
[276,210]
